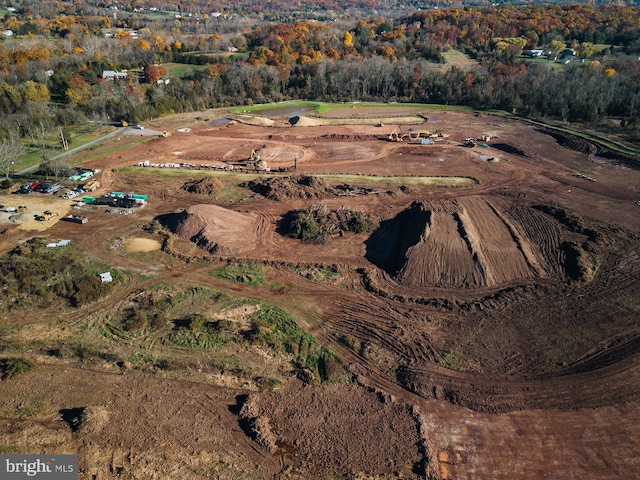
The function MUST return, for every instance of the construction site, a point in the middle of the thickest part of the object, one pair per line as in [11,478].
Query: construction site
[475,300]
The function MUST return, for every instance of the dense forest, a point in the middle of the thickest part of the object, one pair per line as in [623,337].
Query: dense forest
[53,55]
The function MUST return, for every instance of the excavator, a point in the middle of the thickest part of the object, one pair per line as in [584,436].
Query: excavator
[394,136]
[256,161]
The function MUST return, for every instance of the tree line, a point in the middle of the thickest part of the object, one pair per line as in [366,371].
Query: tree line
[57,80]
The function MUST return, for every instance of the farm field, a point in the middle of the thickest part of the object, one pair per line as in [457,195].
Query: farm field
[479,321]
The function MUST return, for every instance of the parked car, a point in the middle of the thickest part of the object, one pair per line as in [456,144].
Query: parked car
[53,188]
[42,187]
[70,194]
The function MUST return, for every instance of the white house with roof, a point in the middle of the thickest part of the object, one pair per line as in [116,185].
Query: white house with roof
[114,74]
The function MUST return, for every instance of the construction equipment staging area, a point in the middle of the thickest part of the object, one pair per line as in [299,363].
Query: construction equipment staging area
[117,199]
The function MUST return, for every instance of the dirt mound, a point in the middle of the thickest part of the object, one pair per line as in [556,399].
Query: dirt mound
[296,186]
[456,243]
[141,245]
[203,186]
[215,229]
[251,120]
[302,121]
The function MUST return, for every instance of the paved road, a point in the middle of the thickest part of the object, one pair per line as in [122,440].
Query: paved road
[33,168]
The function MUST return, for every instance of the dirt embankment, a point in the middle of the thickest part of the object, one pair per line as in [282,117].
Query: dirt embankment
[209,186]
[214,229]
[291,187]
[327,438]
[455,243]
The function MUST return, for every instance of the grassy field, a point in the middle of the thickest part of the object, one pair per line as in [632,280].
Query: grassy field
[179,70]
[76,136]
[320,108]
[462,61]
[216,54]
[542,61]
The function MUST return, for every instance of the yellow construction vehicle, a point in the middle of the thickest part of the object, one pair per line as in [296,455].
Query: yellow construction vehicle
[46,215]
[418,134]
[91,186]
[394,136]
[256,161]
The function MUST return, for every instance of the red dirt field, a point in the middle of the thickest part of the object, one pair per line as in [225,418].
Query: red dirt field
[490,329]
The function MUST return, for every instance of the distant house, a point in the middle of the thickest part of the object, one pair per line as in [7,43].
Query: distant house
[114,74]
[106,277]
[8,33]
[567,55]
[535,53]
[232,49]
[59,243]
[164,80]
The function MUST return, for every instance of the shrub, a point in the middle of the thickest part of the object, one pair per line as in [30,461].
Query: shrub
[137,321]
[13,367]
[196,331]
[303,226]
[88,289]
[247,273]
[318,224]
[274,327]
[36,272]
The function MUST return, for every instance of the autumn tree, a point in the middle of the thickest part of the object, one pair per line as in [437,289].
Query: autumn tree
[586,49]
[35,92]
[78,90]
[153,73]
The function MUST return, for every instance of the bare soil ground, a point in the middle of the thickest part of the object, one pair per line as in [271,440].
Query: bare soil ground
[491,328]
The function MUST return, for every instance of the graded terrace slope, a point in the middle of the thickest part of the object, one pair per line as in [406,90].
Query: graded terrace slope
[467,242]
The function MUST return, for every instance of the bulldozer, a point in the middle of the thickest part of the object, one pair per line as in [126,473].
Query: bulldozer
[46,215]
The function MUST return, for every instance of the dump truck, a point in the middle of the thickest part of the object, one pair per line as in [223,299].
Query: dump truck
[76,219]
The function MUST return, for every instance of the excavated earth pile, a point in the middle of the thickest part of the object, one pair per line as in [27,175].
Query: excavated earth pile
[203,186]
[286,188]
[215,229]
[471,242]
